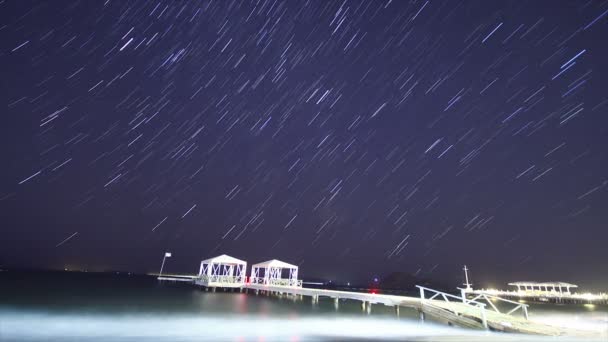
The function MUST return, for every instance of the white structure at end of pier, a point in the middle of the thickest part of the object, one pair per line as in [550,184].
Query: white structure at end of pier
[542,288]
[222,271]
[271,273]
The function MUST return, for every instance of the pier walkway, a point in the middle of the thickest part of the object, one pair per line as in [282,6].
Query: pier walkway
[177,277]
[472,315]
[266,278]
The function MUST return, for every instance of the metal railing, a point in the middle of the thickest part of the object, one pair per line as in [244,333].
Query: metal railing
[449,298]
[222,279]
[253,280]
[276,282]
[490,299]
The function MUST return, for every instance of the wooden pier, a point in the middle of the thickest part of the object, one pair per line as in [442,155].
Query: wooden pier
[228,273]
[467,315]
[454,313]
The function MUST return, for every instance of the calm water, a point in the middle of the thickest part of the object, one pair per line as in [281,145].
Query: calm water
[102,307]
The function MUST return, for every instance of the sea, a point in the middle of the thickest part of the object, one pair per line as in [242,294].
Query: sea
[70,306]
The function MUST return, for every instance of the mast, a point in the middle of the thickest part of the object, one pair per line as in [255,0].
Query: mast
[466,277]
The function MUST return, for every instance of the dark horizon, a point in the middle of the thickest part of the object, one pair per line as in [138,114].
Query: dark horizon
[351,138]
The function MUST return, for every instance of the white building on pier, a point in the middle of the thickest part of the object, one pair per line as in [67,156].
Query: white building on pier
[556,288]
[275,273]
[222,271]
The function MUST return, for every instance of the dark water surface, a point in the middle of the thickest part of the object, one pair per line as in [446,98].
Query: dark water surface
[62,306]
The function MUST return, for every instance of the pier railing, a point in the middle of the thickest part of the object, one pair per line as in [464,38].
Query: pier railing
[452,299]
[276,282]
[491,299]
[222,279]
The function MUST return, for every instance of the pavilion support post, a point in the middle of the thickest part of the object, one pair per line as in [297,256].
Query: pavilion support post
[363,306]
[397,310]
[421,315]
[524,308]
[368,308]
[336,303]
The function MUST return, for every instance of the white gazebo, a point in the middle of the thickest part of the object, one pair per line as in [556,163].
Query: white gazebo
[271,273]
[550,288]
[222,271]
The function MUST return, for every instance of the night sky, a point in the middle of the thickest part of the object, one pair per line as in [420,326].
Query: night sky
[353,138]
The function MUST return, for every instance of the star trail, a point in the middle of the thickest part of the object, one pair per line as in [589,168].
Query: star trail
[353,138]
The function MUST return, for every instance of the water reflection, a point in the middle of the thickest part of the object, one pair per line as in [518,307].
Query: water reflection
[39,326]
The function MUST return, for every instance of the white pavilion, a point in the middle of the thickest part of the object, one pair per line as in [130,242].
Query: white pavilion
[222,271]
[272,273]
[543,288]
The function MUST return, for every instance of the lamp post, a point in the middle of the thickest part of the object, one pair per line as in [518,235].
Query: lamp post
[167,255]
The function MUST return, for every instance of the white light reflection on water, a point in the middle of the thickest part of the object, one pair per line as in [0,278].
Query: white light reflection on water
[588,322]
[21,325]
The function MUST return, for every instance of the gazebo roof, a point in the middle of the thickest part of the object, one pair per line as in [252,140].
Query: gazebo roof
[224,259]
[532,283]
[274,263]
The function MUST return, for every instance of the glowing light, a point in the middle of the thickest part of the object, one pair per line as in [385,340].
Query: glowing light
[184,327]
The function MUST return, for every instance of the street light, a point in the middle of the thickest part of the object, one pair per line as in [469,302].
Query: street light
[167,255]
